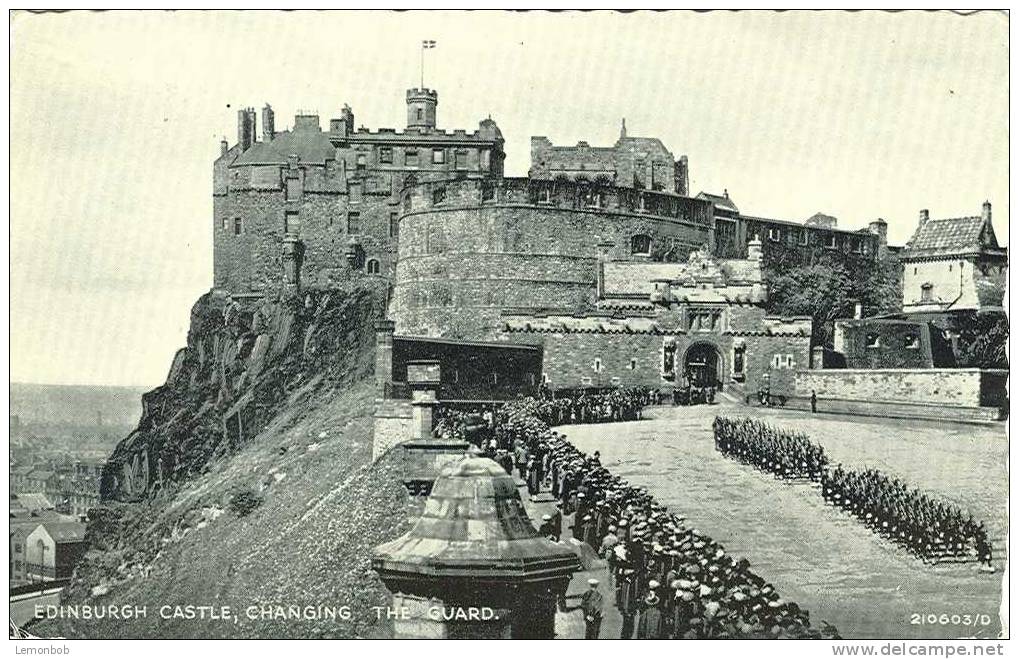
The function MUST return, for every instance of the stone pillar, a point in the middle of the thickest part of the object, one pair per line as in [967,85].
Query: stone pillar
[384,330]
[817,357]
[423,378]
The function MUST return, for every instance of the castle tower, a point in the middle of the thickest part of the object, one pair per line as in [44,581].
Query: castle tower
[421,104]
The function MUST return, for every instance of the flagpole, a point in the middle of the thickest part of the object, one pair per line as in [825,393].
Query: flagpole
[422,65]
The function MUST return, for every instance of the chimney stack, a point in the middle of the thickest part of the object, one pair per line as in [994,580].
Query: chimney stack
[246,128]
[268,123]
[223,147]
[857,309]
[924,216]
[986,212]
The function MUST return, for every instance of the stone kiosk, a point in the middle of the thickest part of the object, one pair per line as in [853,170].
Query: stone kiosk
[473,566]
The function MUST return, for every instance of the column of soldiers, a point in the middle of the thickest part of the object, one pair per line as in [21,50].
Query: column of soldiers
[787,455]
[931,529]
[669,580]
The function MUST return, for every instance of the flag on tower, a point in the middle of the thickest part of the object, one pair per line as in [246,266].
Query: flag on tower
[428,44]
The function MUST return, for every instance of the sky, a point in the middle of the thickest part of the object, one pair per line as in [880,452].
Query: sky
[116,119]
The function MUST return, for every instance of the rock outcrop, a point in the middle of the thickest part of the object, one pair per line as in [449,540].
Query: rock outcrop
[242,361]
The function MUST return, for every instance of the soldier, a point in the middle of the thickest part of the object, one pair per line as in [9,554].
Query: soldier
[651,622]
[591,605]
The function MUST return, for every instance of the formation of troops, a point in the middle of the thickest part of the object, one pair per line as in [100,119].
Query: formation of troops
[784,454]
[668,580]
[932,530]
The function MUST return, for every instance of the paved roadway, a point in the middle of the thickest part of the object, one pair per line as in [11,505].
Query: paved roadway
[815,554]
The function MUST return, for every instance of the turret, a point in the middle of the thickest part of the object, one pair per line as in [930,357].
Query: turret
[421,105]
[268,123]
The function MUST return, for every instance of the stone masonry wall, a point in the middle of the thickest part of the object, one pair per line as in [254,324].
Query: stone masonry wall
[636,359]
[948,387]
[462,258]
[393,424]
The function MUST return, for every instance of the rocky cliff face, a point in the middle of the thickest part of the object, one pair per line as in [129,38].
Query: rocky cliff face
[242,362]
[249,482]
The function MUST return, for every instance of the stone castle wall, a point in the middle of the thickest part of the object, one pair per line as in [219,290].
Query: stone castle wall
[929,387]
[470,248]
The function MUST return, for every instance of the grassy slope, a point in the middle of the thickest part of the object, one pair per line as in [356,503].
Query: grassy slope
[325,506]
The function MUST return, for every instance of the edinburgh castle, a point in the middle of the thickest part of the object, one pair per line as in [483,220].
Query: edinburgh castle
[602,257]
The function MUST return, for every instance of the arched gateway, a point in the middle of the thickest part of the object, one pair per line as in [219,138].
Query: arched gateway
[702,365]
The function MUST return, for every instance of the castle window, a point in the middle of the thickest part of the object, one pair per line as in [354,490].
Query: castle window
[597,365]
[873,340]
[633,364]
[912,342]
[857,246]
[353,222]
[460,159]
[394,224]
[373,267]
[949,267]
[362,163]
[238,226]
[225,223]
[640,244]
[438,195]
[485,156]
[386,155]
[774,235]
[927,292]
[420,114]
[438,156]
[545,195]
[831,241]
[804,237]
[292,222]
[487,191]
[616,380]
[585,381]
[411,157]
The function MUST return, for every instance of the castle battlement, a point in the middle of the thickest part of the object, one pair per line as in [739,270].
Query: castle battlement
[556,195]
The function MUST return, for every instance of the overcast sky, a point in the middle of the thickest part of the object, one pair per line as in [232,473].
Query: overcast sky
[116,119]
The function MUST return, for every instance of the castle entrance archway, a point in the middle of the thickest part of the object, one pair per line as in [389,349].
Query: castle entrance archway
[702,365]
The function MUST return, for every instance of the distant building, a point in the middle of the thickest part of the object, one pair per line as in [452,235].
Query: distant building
[818,234]
[52,549]
[632,162]
[953,265]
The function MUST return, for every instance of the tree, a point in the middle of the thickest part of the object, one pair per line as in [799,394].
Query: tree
[983,341]
[826,287]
